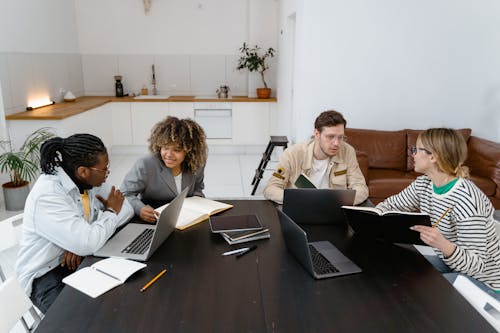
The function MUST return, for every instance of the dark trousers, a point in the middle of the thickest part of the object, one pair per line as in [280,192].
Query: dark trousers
[46,288]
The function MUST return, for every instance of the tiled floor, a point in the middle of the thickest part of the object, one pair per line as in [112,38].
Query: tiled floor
[226,177]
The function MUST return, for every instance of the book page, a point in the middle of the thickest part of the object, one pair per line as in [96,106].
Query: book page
[118,267]
[379,212]
[91,282]
[187,216]
[204,205]
[365,209]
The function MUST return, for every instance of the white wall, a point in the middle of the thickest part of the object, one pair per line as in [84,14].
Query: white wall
[388,65]
[193,44]
[38,51]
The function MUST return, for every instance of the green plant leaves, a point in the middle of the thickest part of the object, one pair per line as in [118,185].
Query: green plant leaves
[23,164]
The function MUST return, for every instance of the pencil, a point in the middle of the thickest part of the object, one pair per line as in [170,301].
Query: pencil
[153,280]
[441,217]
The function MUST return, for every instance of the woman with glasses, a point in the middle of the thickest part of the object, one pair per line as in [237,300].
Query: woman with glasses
[463,233]
[178,153]
[69,213]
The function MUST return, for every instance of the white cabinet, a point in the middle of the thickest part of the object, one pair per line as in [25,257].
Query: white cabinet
[250,123]
[181,109]
[143,117]
[121,123]
[96,121]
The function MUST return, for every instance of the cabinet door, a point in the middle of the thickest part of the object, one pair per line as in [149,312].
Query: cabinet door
[121,120]
[144,116]
[250,123]
[181,110]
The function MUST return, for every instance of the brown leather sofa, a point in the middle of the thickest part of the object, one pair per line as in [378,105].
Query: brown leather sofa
[387,164]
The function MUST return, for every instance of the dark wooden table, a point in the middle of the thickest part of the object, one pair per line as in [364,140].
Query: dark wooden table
[268,291]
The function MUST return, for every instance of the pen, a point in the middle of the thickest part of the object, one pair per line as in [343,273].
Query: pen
[153,280]
[441,217]
[236,251]
[251,248]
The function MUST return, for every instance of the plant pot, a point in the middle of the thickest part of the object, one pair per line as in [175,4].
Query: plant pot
[15,197]
[263,92]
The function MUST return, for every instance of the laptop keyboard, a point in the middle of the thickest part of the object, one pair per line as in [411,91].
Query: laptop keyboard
[141,243]
[321,265]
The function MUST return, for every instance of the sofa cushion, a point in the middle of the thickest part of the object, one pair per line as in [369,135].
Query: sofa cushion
[412,136]
[383,182]
[385,149]
[484,161]
[362,158]
[485,184]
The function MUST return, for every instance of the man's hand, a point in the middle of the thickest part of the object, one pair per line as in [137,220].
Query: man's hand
[148,214]
[70,260]
[114,201]
[432,237]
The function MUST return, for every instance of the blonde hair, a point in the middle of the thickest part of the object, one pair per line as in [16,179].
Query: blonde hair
[449,149]
[185,134]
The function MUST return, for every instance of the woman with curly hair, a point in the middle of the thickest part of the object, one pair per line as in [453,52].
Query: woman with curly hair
[178,153]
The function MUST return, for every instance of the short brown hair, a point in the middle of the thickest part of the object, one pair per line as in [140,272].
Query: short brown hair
[184,133]
[329,118]
[449,149]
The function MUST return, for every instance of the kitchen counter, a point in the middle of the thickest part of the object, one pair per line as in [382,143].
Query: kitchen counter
[64,110]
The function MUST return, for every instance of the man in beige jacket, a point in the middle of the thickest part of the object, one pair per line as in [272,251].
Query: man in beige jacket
[327,160]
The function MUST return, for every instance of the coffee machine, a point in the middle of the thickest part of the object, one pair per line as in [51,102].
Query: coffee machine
[118,86]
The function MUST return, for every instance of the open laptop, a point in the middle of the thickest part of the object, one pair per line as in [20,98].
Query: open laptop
[317,206]
[321,259]
[139,241]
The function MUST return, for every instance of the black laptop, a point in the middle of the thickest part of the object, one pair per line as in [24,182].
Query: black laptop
[317,206]
[321,259]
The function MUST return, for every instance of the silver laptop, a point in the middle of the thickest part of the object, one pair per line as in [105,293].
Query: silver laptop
[139,241]
[321,259]
[317,206]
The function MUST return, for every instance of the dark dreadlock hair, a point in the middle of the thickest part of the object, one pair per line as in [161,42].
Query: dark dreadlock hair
[70,153]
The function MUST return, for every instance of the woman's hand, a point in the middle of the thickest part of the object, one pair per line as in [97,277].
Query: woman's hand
[432,237]
[115,199]
[148,214]
[70,260]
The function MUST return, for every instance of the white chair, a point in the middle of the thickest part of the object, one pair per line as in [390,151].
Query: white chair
[14,304]
[10,231]
[486,305]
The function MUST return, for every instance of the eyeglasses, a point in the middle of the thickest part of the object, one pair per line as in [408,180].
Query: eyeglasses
[106,171]
[338,138]
[414,150]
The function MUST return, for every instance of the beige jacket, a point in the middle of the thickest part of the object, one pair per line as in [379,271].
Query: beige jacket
[343,169]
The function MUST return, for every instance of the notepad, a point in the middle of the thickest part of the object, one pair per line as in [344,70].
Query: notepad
[197,209]
[304,182]
[102,276]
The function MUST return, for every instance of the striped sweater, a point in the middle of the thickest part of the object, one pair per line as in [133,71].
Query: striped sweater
[469,225]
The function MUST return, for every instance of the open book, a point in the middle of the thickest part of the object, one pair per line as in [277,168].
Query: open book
[374,210]
[196,210]
[304,182]
[391,226]
[102,276]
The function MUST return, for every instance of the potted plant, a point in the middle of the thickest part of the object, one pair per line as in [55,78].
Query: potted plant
[252,59]
[22,166]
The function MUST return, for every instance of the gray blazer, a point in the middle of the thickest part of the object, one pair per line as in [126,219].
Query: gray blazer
[150,180]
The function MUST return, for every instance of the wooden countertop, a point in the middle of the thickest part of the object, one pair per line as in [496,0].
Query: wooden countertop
[64,110]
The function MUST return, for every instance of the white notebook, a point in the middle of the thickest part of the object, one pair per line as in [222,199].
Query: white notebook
[103,275]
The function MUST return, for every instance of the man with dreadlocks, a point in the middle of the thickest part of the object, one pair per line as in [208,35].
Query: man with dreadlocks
[178,155]
[69,213]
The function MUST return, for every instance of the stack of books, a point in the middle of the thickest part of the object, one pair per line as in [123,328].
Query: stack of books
[243,236]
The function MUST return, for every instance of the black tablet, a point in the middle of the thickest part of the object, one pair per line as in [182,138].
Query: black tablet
[228,223]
